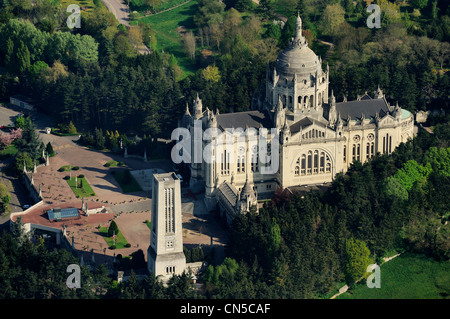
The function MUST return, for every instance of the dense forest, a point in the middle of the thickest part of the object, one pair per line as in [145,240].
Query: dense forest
[301,245]
[95,77]
[297,246]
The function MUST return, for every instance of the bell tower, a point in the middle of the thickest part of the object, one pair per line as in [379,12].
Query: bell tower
[165,255]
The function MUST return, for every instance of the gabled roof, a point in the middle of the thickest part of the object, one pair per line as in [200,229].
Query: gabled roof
[253,119]
[303,123]
[368,107]
[228,191]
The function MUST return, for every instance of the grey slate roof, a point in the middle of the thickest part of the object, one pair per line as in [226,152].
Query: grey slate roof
[229,192]
[304,122]
[253,119]
[368,107]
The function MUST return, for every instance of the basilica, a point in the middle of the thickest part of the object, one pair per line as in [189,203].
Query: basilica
[318,136]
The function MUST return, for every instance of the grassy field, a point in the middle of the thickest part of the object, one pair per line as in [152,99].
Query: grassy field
[408,277]
[140,6]
[165,25]
[8,152]
[87,4]
[127,187]
[113,163]
[80,187]
[120,240]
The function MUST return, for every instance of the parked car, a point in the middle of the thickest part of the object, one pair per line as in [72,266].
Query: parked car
[26,206]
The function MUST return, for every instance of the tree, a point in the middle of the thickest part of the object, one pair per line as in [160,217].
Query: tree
[49,149]
[274,237]
[19,122]
[394,189]
[357,258]
[211,73]
[189,44]
[38,68]
[56,72]
[22,158]
[332,19]
[71,129]
[30,142]
[113,229]
[154,3]
[349,7]
[439,160]
[244,5]
[418,4]
[411,172]
[9,57]
[23,58]
[135,37]
[288,31]
[5,198]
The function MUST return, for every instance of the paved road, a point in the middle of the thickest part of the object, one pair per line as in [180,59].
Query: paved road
[120,10]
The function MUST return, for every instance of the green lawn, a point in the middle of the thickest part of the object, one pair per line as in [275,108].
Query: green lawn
[65,168]
[169,40]
[80,187]
[120,239]
[127,187]
[87,4]
[113,163]
[140,6]
[408,276]
[8,152]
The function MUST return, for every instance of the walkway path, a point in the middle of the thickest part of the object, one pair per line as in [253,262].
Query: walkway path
[330,50]
[178,5]
[119,9]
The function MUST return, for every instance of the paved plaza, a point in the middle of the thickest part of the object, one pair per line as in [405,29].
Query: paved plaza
[129,210]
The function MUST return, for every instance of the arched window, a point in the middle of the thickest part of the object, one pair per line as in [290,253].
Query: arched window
[345,154]
[322,162]
[297,171]
[303,164]
[390,144]
[254,163]
[316,162]
[328,164]
[309,168]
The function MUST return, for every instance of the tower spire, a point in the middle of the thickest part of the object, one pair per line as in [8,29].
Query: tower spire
[299,40]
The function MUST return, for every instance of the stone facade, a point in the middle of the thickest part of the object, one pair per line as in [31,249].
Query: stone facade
[318,136]
[165,255]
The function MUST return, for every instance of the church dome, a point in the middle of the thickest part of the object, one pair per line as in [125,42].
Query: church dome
[298,58]
[300,61]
